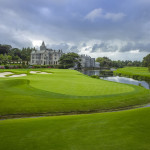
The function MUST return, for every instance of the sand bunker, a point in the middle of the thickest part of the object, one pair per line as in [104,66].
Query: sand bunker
[39,72]
[34,72]
[18,75]
[3,74]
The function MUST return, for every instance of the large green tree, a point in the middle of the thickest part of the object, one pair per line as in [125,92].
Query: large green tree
[70,60]
[5,59]
[5,49]
[104,61]
[146,61]
[26,53]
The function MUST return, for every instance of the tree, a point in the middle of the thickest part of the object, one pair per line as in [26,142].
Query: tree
[146,61]
[104,61]
[69,60]
[26,53]
[1,58]
[15,52]
[6,59]
[5,49]
[149,68]
[16,58]
[129,64]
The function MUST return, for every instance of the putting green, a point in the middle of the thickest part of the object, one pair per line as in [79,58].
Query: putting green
[126,130]
[65,91]
[76,84]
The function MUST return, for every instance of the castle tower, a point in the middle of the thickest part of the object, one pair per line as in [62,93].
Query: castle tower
[43,47]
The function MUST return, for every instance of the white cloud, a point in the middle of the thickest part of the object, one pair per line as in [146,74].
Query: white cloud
[114,16]
[134,51]
[36,43]
[99,13]
[96,13]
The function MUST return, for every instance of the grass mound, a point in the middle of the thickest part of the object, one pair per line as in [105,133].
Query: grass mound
[65,91]
[126,130]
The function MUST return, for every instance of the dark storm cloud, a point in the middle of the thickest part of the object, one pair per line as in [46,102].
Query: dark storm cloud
[136,46]
[61,22]
[104,47]
[65,47]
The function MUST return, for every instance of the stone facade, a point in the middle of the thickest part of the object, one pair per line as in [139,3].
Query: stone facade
[45,56]
[87,61]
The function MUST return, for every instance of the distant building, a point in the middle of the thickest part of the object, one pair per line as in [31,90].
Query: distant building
[46,56]
[87,61]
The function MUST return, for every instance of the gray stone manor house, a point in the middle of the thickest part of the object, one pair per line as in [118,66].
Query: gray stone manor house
[46,56]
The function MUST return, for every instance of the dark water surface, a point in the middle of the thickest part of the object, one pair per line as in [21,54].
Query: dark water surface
[118,79]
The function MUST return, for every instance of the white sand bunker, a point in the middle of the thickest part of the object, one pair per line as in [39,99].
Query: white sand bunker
[3,74]
[39,72]
[18,75]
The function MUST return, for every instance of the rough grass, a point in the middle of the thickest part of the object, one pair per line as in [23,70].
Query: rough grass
[134,72]
[126,130]
[65,91]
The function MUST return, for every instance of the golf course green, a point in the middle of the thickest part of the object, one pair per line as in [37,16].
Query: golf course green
[57,92]
[65,91]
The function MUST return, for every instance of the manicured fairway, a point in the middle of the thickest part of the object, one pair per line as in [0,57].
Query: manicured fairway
[126,130]
[65,91]
[135,72]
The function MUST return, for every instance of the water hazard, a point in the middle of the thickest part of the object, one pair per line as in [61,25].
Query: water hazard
[127,81]
[118,79]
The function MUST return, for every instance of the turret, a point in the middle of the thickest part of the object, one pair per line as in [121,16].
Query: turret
[43,47]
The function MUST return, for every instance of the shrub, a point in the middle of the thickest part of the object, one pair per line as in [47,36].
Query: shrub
[94,76]
[60,66]
[2,67]
[6,66]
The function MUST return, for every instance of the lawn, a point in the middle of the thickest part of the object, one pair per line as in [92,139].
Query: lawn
[65,91]
[125,130]
[134,72]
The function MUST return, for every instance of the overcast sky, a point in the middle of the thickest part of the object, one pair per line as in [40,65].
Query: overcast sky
[114,28]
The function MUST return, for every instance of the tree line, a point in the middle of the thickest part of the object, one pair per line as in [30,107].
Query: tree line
[10,55]
[106,62]
[14,55]
[146,61]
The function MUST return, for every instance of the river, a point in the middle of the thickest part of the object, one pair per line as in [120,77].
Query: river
[118,79]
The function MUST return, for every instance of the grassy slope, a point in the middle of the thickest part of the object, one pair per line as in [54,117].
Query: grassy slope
[135,72]
[126,130]
[65,91]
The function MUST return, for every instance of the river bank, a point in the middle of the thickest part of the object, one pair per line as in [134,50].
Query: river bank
[105,75]
[138,73]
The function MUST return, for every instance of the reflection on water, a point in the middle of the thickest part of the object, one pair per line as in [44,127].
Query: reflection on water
[127,81]
[118,79]
[91,72]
